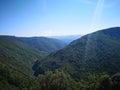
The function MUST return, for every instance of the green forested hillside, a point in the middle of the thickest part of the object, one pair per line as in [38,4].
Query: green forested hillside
[18,54]
[45,44]
[96,52]
[22,52]
[13,79]
[89,63]
[16,60]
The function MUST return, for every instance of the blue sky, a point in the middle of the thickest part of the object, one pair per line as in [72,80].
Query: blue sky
[57,17]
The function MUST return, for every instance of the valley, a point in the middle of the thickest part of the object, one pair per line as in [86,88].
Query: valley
[41,63]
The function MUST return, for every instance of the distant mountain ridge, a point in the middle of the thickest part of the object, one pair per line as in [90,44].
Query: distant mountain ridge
[68,38]
[95,52]
[17,56]
[42,43]
[21,52]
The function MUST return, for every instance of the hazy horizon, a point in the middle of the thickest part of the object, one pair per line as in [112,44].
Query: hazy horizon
[29,18]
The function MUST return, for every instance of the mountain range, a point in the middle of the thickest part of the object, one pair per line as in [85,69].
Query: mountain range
[22,52]
[90,62]
[68,38]
[96,52]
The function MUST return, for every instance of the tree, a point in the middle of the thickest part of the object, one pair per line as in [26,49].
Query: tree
[56,81]
[116,81]
[104,83]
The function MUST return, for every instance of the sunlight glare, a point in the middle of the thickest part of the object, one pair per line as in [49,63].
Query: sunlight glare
[94,25]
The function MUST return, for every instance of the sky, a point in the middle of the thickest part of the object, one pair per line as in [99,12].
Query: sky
[57,17]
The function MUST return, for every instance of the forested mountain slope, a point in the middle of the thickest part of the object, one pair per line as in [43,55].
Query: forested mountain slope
[22,52]
[13,79]
[96,52]
[45,44]
[18,54]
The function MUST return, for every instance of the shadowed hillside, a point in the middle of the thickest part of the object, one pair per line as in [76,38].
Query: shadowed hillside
[45,44]
[96,52]
[23,52]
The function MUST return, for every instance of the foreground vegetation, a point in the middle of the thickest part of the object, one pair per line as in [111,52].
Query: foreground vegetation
[96,52]
[62,81]
[79,66]
[12,79]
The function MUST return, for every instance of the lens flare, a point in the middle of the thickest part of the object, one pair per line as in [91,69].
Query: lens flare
[94,25]
[97,15]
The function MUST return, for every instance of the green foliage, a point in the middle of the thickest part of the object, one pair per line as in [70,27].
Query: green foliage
[116,81]
[104,83]
[13,79]
[96,52]
[23,52]
[62,81]
[109,83]
[56,81]
[79,60]
[18,54]
[45,44]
